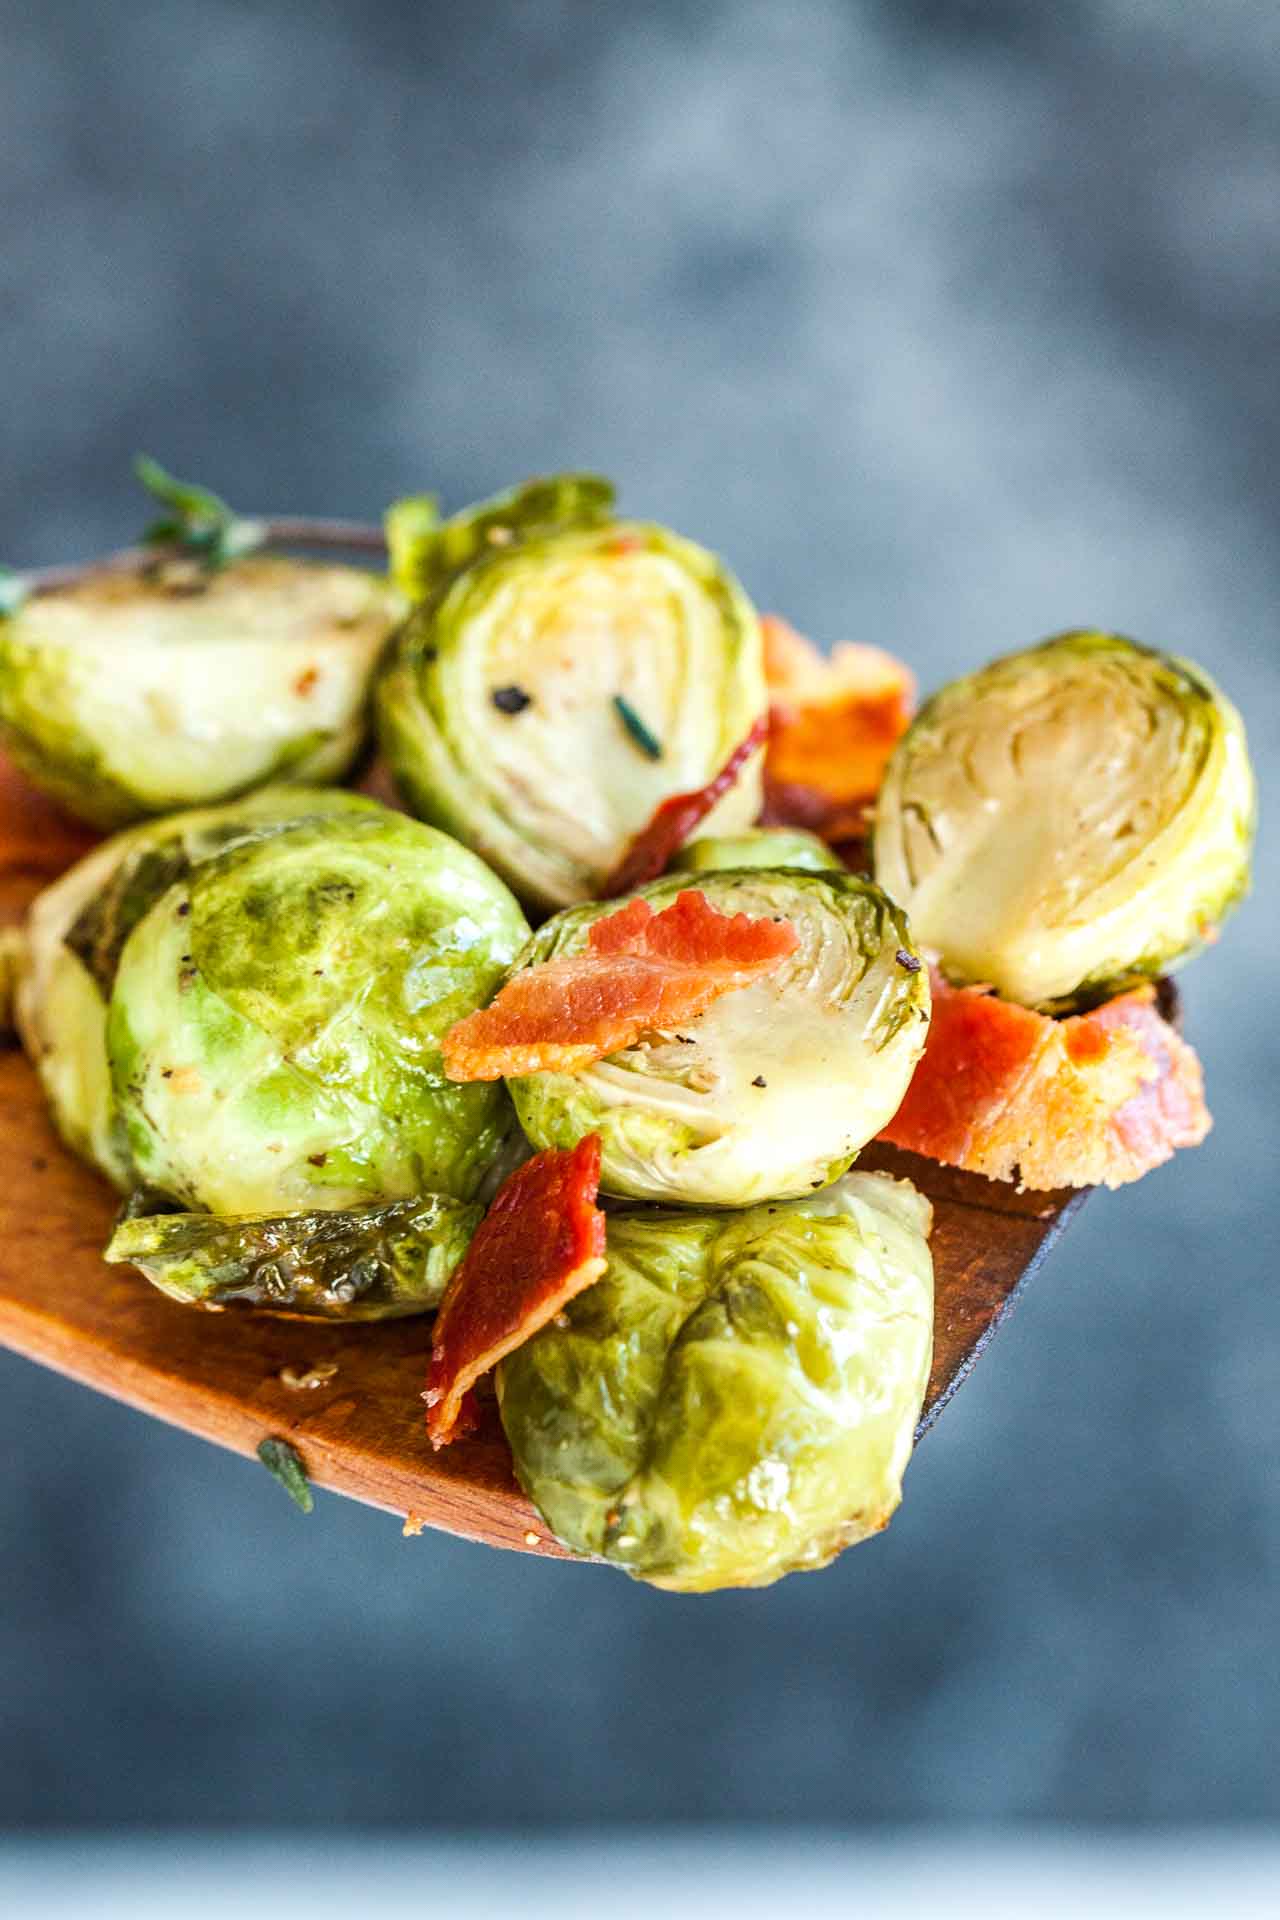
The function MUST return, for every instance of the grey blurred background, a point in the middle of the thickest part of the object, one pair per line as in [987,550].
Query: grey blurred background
[950,325]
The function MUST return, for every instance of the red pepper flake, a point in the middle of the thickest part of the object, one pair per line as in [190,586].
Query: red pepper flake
[541,1242]
[676,820]
[306,681]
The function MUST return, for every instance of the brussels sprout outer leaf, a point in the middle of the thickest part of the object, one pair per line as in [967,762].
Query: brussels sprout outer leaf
[642,971]
[736,1397]
[1095,1099]
[358,1263]
[426,553]
[284,1463]
[411,528]
[541,1242]
[758,847]
[673,823]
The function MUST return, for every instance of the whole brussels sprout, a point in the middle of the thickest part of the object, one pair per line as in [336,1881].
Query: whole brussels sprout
[565,673]
[772,1091]
[132,694]
[1069,820]
[275,1019]
[71,944]
[757,847]
[736,1397]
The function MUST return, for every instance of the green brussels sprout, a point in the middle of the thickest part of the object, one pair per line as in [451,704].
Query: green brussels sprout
[359,1263]
[772,1091]
[757,847]
[132,694]
[66,964]
[1069,820]
[736,1397]
[565,673]
[275,1019]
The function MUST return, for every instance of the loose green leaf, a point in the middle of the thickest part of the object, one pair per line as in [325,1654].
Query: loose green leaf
[13,591]
[198,521]
[284,1464]
[351,1263]
[647,741]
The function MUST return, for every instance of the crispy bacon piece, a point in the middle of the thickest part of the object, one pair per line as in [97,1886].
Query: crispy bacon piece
[541,1242]
[832,725]
[640,970]
[1097,1099]
[676,821]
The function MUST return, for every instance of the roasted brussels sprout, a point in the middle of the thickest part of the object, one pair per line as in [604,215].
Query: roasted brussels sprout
[359,1263]
[132,694]
[776,1086]
[757,847]
[565,673]
[71,946]
[736,1398]
[1069,820]
[275,1019]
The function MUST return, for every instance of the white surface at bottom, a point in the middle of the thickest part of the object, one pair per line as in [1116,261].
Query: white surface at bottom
[660,1875]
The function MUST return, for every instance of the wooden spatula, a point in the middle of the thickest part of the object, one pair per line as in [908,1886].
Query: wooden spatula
[348,1398]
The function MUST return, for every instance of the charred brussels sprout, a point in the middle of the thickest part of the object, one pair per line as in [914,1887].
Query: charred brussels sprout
[132,694]
[736,1398]
[66,965]
[758,847]
[359,1263]
[564,674]
[1068,820]
[275,1019]
[777,1085]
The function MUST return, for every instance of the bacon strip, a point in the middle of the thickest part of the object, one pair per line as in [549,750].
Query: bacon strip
[833,723]
[1094,1100]
[676,820]
[640,971]
[541,1242]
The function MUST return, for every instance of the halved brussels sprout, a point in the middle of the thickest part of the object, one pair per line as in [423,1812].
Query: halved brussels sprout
[76,928]
[275,1019]
[565,674]
[736,1398]
[757,847]
[131,694]
[357,1263]
[1068,820]
[774,1089]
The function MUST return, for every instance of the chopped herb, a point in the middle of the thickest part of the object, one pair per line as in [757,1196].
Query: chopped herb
[635,726]
[759,1081]
[196,521]
[13,591]
[511,699]
[283,1463]
[909,961]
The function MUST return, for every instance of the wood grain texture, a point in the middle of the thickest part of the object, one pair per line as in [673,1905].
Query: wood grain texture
[361,1433]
